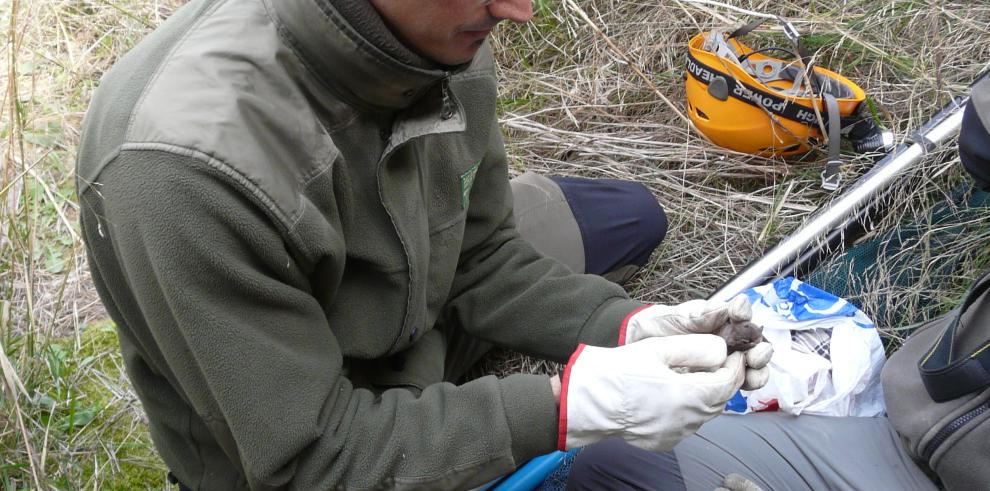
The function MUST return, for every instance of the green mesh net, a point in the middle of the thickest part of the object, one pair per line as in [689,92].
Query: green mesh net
[910,274]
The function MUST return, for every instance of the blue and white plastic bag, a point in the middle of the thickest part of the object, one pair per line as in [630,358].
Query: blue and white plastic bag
[827,354]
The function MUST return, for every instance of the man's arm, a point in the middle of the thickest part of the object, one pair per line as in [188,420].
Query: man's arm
[225,308]
[508,293]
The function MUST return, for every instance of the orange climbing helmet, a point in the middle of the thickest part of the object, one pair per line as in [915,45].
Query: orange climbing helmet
[748,101]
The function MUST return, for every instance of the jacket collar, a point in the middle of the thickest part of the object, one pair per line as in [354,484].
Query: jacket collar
[341,58]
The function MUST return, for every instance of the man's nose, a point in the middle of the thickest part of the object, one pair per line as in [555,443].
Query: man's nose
[515,10]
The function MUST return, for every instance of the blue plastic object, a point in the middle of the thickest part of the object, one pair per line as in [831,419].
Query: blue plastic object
[529,476]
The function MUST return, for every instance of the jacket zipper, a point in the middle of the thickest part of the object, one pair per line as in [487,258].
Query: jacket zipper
[446,104]
[949,429]
[447,109]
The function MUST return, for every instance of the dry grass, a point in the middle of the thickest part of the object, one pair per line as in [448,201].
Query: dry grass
[575,102]
[594,95]
[68,418]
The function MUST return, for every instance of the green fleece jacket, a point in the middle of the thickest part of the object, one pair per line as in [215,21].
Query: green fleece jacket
[272,208]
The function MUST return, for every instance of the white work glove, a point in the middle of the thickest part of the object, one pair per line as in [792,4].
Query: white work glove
[632,391]
[699,317]
[691,317]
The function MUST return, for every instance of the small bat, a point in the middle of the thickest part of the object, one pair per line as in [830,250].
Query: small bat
[740,336]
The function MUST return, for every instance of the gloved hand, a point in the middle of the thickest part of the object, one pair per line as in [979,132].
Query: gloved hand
[699,317]
[632,391]
[691,317]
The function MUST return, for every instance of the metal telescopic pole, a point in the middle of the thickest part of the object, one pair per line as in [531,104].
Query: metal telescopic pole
[827,229]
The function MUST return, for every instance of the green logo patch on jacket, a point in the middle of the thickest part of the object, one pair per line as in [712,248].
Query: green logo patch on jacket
[467,181]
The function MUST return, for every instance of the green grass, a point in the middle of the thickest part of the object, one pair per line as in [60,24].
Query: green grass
[76,385]
[68,416]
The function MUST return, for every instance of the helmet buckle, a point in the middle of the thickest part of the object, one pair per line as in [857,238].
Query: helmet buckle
[789,30]
[832,176]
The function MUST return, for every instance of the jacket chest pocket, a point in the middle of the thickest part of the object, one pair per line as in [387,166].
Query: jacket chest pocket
[448,177]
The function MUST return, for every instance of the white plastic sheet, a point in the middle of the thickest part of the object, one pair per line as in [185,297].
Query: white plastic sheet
[827,354]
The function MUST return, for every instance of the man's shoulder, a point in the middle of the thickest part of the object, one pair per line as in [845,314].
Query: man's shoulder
[231,89]
[226,91]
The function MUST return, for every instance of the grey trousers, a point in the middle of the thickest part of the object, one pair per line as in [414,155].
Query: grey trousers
[607,227]
[775,451]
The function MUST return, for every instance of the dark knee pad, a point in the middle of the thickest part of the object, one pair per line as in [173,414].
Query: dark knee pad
[613,464]
[621,222]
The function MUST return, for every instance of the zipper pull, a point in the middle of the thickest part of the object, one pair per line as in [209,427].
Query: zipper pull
[446,102]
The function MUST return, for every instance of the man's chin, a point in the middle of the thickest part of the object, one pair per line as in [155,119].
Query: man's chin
[461,56]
